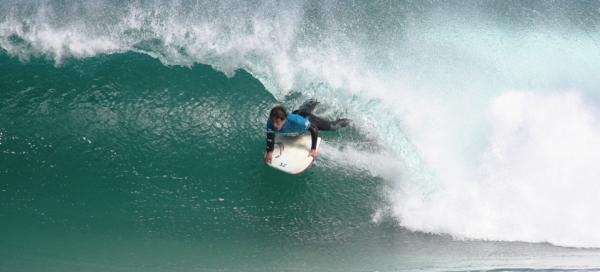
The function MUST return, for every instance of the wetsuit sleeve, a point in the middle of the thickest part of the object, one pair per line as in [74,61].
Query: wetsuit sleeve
[313,135]
[270,141]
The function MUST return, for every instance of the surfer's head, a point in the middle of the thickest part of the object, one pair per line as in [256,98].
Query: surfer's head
[278,116]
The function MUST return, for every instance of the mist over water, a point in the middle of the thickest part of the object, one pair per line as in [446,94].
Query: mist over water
[481,117]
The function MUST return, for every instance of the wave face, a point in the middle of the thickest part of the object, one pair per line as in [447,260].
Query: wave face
[482,117]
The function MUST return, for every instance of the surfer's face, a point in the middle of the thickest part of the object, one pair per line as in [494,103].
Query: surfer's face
[278,123]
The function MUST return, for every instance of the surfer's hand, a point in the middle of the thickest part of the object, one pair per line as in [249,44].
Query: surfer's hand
[269,157]
[313,153]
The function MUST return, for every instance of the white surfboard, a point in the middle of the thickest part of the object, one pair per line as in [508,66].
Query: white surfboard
[290,153]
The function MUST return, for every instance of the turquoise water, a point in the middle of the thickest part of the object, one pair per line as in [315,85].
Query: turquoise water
[131,136]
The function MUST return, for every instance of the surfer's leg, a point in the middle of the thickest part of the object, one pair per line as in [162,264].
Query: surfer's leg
[308,106]
[323,124]
[340,123]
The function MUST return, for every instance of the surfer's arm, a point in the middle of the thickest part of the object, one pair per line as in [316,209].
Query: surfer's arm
[313,136]
[270,146]
[270,141]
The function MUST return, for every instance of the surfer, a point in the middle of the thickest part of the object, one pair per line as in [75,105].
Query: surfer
[298,122]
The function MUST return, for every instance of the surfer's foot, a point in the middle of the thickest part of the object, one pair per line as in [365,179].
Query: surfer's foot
[340,123]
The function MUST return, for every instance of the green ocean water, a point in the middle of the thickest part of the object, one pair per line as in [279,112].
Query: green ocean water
[120,148]
[132,136]
[119,163]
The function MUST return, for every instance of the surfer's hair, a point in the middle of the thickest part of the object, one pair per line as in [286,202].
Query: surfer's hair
[278,112]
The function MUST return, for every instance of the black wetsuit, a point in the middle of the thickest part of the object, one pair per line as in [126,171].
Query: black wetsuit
[316,123]
[299,123]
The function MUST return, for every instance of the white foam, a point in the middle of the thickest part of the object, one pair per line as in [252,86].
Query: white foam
[536,183]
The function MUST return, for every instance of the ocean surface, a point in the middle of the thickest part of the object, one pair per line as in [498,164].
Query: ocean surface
[132,135]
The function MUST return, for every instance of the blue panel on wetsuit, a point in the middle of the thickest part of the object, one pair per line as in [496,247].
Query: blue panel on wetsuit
[294,125]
